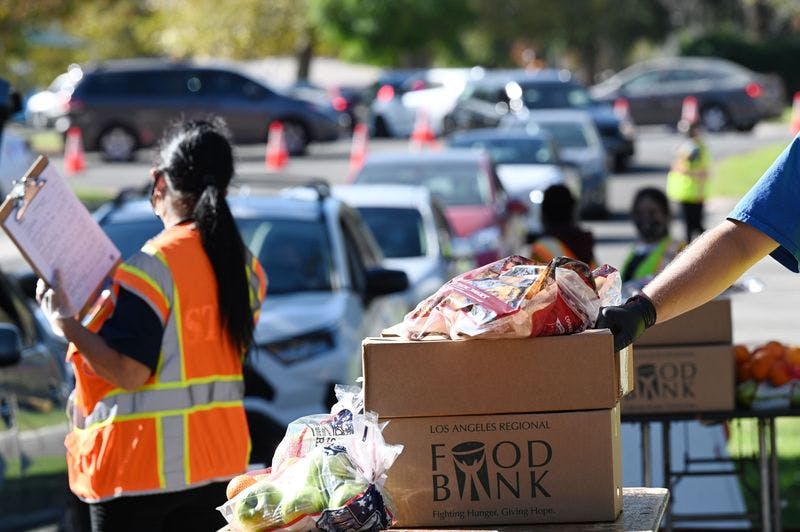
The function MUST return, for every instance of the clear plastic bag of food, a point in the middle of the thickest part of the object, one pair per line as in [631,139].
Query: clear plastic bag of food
[333,487]
[516,297]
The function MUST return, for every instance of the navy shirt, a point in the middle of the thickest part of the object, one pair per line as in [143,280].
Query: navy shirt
[773,206]
[134,329]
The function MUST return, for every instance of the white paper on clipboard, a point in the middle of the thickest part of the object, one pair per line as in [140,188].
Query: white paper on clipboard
[54,230]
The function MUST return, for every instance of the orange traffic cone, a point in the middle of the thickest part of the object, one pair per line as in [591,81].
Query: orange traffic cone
[277,154]
[422,135]
[689,110]
[795,123]
[358,150]
[74,158]
[622,108]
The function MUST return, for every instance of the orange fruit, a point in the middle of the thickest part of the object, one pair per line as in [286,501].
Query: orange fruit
[793,357]
[774,347]
[237,484]
[762,361]
[741,353]
[744,371]
[779,373]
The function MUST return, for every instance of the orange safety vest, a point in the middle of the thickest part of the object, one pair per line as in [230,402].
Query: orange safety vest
[186,425]
[547,248]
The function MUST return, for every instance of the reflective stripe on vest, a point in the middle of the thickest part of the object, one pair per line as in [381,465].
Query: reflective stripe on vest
[655,260]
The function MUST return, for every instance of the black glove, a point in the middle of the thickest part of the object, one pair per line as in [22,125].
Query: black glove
[628,321]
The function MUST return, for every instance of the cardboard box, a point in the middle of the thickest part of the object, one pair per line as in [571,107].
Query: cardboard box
[404,378]
[506,469]
[707,324]
[682,379]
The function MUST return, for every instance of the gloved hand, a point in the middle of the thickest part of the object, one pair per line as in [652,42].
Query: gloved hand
[627,321]
[54,302]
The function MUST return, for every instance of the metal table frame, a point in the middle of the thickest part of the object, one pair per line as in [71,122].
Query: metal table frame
[769,487]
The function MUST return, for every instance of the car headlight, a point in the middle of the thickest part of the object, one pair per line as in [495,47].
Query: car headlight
[300,348]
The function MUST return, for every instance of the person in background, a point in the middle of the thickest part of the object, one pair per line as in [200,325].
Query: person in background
[766,221]
[157,421]
[655,247]
[688,178]
[562,236]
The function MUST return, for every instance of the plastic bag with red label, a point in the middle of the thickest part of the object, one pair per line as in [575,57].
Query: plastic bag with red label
[516,297]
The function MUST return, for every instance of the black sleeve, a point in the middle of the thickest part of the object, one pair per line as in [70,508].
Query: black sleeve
[134,329]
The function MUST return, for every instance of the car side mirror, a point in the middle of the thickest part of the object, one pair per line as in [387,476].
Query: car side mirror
[10,345]
[381,281]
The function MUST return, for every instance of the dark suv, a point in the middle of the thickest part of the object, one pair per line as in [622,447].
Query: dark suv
[125,105]
[497,94]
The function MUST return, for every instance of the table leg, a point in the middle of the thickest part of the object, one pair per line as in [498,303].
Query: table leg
[775,484]
[647,480]
[666,449]
[764,479]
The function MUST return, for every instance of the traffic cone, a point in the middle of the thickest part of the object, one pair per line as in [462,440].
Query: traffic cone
[358,150]
[795,123]
[689,110]
[422,135]
[277,154]
[622,108]
[74,157]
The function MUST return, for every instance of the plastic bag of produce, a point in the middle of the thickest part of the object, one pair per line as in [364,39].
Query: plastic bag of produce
[516,297]
[333,487]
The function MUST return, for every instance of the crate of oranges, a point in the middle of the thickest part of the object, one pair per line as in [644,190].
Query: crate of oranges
[768,375]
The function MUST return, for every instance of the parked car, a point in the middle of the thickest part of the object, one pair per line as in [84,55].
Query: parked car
[122,106]
[488,99]
[345,100]
[433,92]
[579,144]
[728,95]
[410,226]
[526,163]
[327,290]
[476,205]
[44,108]
[383,98]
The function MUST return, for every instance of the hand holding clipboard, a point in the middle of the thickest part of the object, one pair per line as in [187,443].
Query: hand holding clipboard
[54,231]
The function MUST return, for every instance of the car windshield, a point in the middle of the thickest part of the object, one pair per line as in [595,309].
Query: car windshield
[399,232]
[511,150]
[566,135]
[296,255]
[555,96]
[452,183]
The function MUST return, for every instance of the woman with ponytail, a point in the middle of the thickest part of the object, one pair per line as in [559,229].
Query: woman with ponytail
[158,426]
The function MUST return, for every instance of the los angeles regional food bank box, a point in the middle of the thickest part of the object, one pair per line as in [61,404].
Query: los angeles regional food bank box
[501,431]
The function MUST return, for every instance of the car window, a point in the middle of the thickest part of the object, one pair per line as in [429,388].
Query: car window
[685,75]
[231,85]
[511,151]
[443,231]
[554,96]
[451,183]
[646,80]
[566,134]
[399,232]
[355,264]
[296,255]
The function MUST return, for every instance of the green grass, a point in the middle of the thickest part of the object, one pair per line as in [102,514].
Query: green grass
[734,176]
[93,197]
[30,420]
[743,443]
[46,142]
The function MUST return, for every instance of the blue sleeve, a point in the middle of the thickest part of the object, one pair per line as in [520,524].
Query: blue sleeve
[773,206]
[134,329]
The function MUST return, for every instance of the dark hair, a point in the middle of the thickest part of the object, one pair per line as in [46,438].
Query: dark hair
[558,205]
[654,194]
[198,160]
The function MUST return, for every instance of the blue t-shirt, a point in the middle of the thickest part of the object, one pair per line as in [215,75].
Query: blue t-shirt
[773,206]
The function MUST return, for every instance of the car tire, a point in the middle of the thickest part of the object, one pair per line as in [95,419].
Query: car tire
[714,118]
[117,143]
[265,435]
[296,136]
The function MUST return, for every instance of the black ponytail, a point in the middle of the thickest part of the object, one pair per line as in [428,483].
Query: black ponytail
[198,160]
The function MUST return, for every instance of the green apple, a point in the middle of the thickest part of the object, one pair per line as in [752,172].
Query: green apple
[305,499]
[746,392]
[338,468]
[346,491]
[260,505]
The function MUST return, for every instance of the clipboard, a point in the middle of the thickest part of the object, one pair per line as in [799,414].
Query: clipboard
[53,230]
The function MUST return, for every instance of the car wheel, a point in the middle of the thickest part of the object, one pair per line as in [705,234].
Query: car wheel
[117,143]
[265,435]
[714,118]
[381,131]
[296,137]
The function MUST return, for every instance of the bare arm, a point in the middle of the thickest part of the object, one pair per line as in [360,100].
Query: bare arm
[707,267]
[115,367]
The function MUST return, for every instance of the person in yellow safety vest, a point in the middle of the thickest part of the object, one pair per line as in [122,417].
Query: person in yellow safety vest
[562,237]
[158,426]
[655,247]
[688,178]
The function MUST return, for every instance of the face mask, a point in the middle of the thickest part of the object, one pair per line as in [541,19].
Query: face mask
[651,231]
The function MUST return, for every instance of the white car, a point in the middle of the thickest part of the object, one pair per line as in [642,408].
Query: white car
[410,226]
[15,158]
[579,144]
[327,290]
[45,107]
